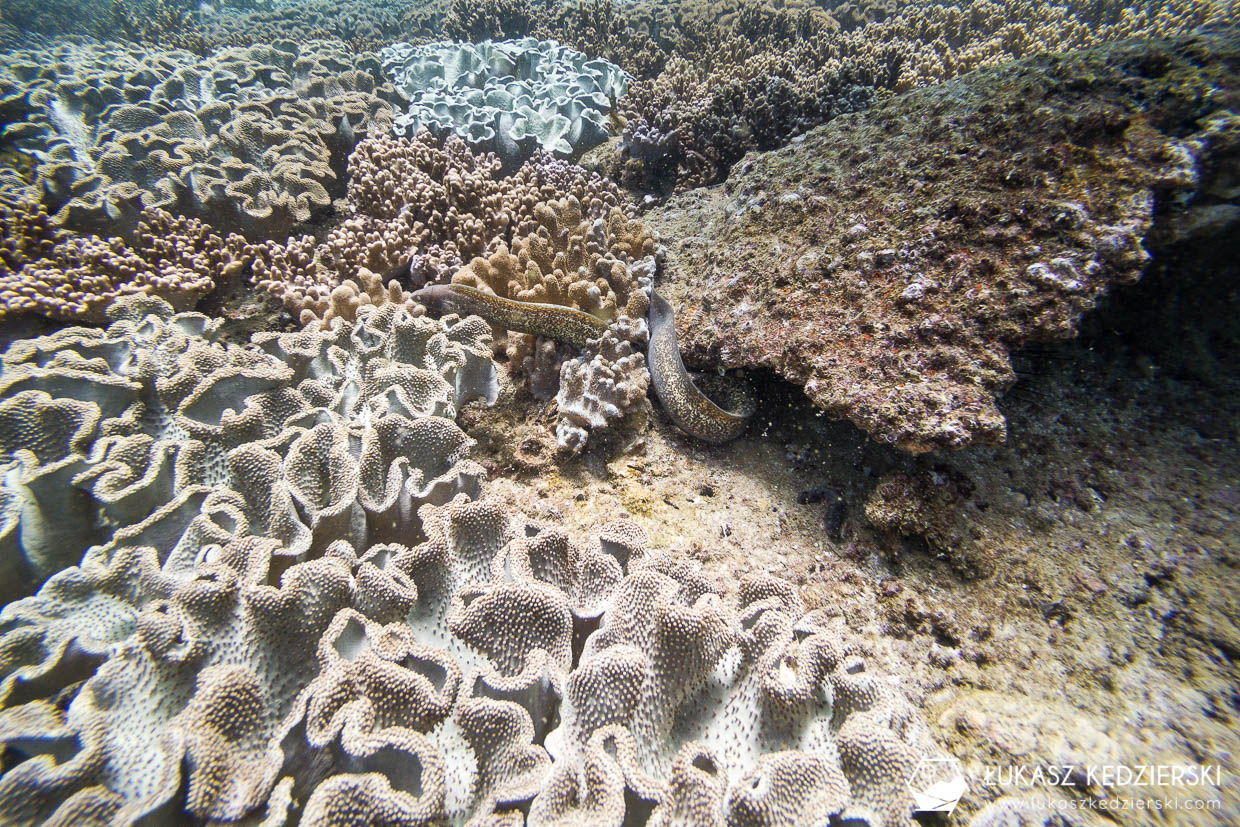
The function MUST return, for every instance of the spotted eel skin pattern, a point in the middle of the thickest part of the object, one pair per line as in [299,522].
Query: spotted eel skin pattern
[691,410]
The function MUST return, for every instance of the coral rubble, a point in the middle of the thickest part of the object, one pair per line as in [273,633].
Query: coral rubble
[889,262]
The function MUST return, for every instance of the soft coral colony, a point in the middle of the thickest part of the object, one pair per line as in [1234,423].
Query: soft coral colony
[263,580]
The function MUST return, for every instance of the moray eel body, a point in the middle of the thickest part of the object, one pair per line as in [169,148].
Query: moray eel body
[691,410]
[555,321]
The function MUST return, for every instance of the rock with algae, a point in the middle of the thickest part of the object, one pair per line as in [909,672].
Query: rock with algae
[890,261]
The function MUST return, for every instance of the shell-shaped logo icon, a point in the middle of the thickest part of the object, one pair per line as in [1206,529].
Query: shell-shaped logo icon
[937,784]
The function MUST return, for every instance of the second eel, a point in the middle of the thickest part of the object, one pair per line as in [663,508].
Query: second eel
[692,411]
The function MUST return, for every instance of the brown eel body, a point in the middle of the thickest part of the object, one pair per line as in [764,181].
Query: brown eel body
[691,410]
[564,324]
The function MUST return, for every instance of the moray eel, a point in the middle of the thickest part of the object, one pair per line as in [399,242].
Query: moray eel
[692,411]
[555,321]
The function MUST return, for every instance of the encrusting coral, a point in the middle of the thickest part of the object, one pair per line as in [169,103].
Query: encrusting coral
[889,263]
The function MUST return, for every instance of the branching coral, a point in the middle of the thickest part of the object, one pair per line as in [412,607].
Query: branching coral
[602,266]
[418,210]
[734,76]
[52,273]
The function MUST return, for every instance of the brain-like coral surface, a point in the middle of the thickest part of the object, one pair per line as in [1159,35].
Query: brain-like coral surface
[276,590]
[510,97]
[253,139]
[890,261]
[150,420]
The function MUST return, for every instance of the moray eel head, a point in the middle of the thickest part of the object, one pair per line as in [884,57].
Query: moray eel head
[434,296]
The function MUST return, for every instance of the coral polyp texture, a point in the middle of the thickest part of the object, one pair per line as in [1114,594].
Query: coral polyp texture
[417,210]
[602,266]
[510,97]
[889,264]
[49,272]
[274,589]
[253,139]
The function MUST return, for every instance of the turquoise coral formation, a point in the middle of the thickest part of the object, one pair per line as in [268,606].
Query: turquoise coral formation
[510,97]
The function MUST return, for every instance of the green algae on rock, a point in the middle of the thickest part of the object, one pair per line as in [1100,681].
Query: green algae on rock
[889,261]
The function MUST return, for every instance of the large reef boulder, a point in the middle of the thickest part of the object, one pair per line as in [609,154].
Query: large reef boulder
[888,262]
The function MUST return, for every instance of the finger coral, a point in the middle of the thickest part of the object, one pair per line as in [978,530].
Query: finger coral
[417,211]
[63,276]
[602,266]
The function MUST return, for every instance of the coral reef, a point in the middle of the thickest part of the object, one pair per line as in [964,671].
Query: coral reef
[416,211]
[52,273]
[727,77]
[151,416]
[204,27]
[365,25]
[289,574]
[598,389]
[510,97]
[602,266]
[889,262]
[253,139]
